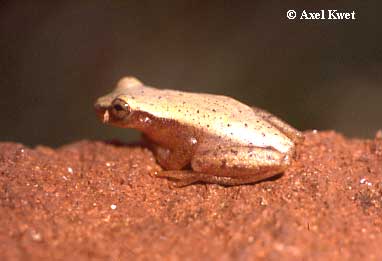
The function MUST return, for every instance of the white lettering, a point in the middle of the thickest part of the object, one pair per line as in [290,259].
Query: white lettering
[323,14]
[334,15]
[312,15]
[304,15]
[331,14]
[353,15]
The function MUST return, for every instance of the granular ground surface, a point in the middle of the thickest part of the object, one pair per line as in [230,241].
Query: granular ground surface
[93,200]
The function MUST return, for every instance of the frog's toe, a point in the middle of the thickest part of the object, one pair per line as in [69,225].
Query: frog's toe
[179,178]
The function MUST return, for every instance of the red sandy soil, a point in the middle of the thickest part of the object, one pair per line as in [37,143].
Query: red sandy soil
[98,201]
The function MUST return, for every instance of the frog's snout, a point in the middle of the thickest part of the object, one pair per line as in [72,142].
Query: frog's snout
[102,112]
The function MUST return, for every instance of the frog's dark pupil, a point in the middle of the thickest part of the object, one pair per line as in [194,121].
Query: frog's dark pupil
[118,107]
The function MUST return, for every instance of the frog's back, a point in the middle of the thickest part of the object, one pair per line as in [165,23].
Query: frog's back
[192,108]
[222,116]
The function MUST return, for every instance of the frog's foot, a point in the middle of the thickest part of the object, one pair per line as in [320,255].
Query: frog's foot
[185,178]
[180,178]
[290,132]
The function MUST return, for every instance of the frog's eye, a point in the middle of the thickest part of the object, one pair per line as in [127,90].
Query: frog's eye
[119,109]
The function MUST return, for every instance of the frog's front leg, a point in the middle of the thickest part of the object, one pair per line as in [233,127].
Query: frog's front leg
[170,158]
[232,166]
[174,159]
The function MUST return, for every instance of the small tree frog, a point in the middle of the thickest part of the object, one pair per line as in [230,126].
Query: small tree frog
[198,137]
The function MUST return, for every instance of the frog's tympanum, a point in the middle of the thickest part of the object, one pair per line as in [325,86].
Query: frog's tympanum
[202,137]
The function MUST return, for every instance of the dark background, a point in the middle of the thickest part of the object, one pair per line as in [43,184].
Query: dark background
[56,59]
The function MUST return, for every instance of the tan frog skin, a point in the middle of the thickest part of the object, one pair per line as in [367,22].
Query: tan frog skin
[198,137]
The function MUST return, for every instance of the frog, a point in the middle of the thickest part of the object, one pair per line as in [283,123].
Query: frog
[202,137]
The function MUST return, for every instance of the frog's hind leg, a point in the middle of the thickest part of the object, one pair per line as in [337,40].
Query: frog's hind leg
[231,166]
[289,131]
